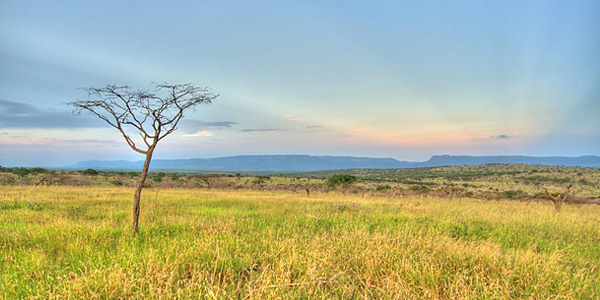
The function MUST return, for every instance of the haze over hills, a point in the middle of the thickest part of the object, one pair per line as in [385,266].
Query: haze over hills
[293,163]
[460,160]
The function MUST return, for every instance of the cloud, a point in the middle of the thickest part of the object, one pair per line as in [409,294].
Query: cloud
[193,127]
[57,142]
[293,118]
[204,124]
[314,126]
[262,130]
[502,137]
[16,108]
[23,115]
[201,133]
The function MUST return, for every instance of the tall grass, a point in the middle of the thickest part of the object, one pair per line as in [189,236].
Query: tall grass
[74,243]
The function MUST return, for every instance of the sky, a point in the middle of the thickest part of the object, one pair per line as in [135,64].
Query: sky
[401,79]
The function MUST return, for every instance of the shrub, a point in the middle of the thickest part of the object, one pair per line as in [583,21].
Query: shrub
[419,188]
[37,170]
[513,194]
[21,172]
[158,177]
[90,172]
[383,187]
[343,180]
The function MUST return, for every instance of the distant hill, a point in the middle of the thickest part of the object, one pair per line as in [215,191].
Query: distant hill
[295,163]
[466,160]
[274,163]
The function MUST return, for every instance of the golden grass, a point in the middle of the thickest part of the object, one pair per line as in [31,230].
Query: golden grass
[74,243]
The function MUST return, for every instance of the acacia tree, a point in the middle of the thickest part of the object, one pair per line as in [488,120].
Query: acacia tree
[559,199]
[152,115]
[341,182]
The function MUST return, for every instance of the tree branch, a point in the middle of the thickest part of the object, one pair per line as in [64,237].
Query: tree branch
[121,107]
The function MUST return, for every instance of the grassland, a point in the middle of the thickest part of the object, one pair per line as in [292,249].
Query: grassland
[490,182]
[62,242]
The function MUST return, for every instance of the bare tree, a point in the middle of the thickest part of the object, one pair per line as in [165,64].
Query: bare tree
[559,199]
[49,178]
[304,187]
[211,180]
[153,115]
[7,179]
[310,187]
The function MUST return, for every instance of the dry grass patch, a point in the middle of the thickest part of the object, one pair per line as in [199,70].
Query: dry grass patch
[75,243]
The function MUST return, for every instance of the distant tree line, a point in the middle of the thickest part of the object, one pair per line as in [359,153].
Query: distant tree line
[337,183]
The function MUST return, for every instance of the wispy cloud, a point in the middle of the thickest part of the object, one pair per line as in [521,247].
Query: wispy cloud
[204,124]
[23,115]
[201,133]
[196,128]
[261,130]
[314,126]
[58,142]
[16,108]
[293,118]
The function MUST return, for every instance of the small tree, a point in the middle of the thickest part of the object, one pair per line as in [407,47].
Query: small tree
[152,115]
[21,172]
[340,182]
[559,199]
[308,187]
[211,180]
[90,172]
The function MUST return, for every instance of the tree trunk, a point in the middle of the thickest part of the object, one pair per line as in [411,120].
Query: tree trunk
[138,191]
[557,205]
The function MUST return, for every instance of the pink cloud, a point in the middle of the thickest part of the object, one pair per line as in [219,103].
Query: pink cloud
[200,133]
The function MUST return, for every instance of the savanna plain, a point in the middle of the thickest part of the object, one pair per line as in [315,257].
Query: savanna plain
[75,242]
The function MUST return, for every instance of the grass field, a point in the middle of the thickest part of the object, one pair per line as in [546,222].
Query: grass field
[75,243]
[489,182]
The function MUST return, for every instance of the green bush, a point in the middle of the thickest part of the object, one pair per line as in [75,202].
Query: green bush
[158,177]
[90,172]
[420,188]
[341,180]
[383,187]
[513,194]
[21,172]
[37,170]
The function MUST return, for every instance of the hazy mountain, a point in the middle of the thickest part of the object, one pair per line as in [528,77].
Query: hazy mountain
[462,160]
[283,163]
[293,163]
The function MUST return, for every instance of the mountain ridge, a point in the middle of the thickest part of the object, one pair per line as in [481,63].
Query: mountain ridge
[294,163]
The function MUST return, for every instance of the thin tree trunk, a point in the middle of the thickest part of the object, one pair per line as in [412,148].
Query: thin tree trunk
[138,191]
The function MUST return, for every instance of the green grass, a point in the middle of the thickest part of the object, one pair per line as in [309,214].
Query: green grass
[482,179]
[75,243]
[494,181]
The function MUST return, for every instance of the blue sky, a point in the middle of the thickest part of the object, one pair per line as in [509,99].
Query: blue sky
[402,79]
